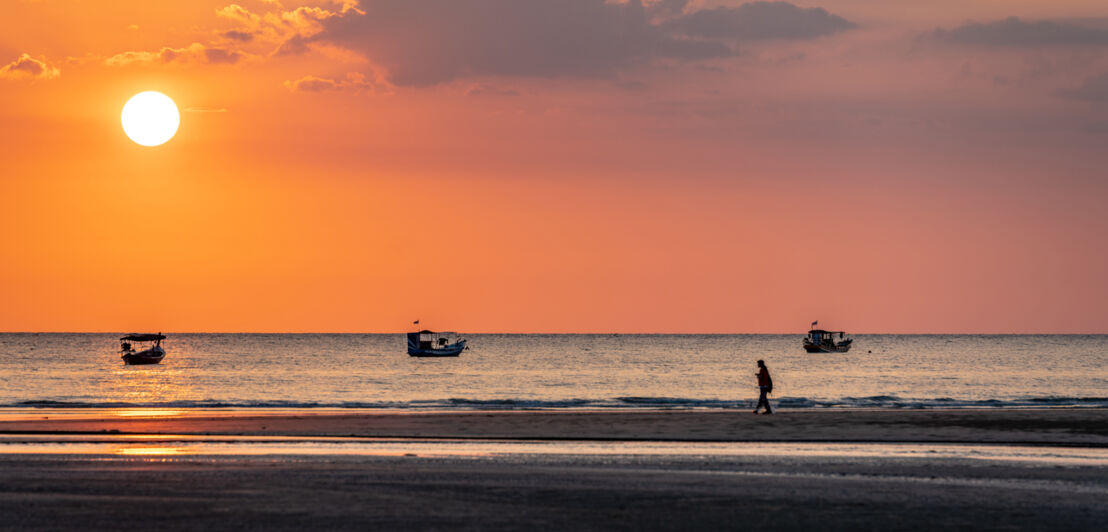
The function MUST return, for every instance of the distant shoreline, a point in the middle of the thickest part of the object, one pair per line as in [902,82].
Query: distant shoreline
[786,333]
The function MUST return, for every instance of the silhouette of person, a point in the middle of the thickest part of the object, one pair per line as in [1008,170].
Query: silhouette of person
[765,386]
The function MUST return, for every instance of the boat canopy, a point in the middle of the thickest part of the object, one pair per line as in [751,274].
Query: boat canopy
[142,338]
[821,331]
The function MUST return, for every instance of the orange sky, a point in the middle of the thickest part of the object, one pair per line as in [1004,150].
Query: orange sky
[557,166]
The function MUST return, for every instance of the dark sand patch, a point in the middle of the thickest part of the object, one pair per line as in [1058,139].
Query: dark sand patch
[1048,426]
[549,493]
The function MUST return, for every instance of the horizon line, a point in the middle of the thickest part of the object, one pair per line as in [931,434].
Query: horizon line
[588,333]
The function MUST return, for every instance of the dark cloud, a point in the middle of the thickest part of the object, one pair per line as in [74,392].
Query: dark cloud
[667,8]
[424,42]
[312,84]
[1094,89]
[1096,128]
[490,90]
[295,45]
[1014,31]
[27,67]
[221,56]
[761,21]
[630,85]
[241,36]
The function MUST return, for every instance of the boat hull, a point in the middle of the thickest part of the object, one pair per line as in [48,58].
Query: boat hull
[432,344]
[141,358]
[450,351]
[434,354]
[813,348]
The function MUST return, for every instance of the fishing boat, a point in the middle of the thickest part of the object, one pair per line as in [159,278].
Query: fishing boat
[148,351]
[435,344]
[821,341]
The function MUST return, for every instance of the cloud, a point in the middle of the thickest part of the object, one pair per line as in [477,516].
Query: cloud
[26,67]
[631,85]
[222,56]
[348,5]
[312,84]
[667,8]
[482,89]
[761,21]
[240,15]
[1014,31]
[289,29]
[424,42]
[193,53]
[1094,89]
[241,36]
[295,45]
[354,82]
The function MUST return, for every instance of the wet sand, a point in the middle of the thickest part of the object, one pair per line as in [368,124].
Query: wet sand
[682,488]
[545,492]
[1049,426]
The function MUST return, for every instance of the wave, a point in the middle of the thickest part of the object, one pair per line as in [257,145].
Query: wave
[675,403]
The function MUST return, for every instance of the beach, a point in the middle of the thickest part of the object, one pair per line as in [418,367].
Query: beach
[559,493]
[593,470]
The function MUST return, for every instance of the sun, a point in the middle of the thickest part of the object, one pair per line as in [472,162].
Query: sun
[150,118]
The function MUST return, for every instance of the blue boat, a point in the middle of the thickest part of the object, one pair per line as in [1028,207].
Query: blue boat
[435,344]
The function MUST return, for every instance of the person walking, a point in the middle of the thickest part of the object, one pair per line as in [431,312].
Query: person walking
[765,387]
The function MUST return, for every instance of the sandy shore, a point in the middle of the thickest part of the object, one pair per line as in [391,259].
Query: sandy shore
[545,493]
[1032,488]
[1054,426]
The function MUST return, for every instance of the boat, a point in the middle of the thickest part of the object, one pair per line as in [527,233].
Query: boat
[821,341]
[151,354]
[435,344]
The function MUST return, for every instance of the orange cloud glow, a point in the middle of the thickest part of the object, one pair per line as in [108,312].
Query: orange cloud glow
[27,67]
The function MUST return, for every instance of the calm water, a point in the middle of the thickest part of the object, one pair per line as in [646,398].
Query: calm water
[555,371]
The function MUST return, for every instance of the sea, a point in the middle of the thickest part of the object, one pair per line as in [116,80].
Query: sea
[555,371]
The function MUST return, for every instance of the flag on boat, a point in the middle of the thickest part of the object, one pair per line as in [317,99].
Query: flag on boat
[416,322]
[814,323]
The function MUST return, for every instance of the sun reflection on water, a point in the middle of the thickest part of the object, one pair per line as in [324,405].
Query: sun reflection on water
[147,450]
[148,412]
[159,384]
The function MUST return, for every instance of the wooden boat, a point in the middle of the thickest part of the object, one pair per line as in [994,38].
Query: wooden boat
[435,344]
[821,341]
[151,354]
